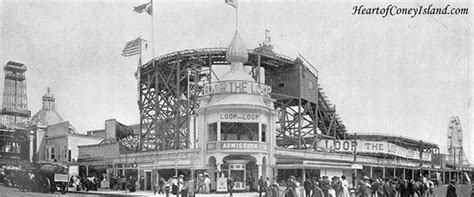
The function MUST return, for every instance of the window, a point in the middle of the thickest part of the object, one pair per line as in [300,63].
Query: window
[212,132]
[264,132]
[48,153]
[52,153]
[239,131]
[69,155]
[66,153]
[310,85]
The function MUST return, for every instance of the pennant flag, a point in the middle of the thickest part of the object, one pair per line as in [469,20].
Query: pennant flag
[132,48]
[147,7]
[232,3]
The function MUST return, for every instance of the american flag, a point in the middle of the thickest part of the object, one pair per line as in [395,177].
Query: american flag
[147,7]
[132,48]
[232,3]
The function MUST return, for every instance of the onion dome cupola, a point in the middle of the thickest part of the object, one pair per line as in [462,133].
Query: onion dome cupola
[236,81]
[47,115]
[237,52]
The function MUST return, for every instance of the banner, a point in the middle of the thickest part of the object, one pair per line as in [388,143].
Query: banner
[363,146]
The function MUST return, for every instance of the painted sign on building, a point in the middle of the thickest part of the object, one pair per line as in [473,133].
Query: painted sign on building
[236,87]
[239,117]
[363,146]
[240,145]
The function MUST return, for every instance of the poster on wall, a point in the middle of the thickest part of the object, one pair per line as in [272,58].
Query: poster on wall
[221,184]
[73,170]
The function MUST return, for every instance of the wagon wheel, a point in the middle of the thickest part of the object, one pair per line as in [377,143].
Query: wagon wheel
[52,186]
[64,188]
[46,185]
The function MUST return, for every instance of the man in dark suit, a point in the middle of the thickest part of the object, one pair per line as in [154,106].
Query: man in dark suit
[230,185]
[451,190]
[308,186]
[261,186]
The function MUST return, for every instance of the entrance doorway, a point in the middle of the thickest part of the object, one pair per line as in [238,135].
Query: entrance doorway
[237,171]
[148,180]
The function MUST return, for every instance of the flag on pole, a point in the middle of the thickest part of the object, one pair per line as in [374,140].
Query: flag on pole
[232,3]
[147,7]
[132,48]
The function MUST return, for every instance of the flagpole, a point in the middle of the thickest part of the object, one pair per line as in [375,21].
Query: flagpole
[138,68]
[152,46]
[139,91]
[236,18]
[152,34]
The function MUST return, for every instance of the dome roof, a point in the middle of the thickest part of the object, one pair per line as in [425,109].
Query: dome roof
[237,52]
[46,117]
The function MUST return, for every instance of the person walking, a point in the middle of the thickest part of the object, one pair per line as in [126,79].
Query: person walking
[230,185]
[260,186]
[207,184]
[161,183]
[363,189]
[268,188]
[325,185]
[275,188]
[345,187]
[200,183]
[308,186]
[291,187]
[451,190]
[317,191]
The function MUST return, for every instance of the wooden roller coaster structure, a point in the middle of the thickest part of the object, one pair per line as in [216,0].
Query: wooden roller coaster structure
[169,87]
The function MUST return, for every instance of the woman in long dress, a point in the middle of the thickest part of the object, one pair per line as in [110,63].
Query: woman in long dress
[345,187]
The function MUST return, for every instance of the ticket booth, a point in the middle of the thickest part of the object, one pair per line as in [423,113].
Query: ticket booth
[237,171]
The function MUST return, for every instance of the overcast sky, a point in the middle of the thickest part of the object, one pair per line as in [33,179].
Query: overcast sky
[398,74]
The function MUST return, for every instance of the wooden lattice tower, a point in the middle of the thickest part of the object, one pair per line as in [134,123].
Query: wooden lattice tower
[14,107]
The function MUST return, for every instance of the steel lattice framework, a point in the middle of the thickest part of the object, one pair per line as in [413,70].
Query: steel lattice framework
[170,85]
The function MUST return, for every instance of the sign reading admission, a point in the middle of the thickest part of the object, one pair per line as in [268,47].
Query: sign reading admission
[240,146]
[236,87]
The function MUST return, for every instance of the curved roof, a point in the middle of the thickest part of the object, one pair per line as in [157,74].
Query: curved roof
[393,137]
[237,52]
[46,117]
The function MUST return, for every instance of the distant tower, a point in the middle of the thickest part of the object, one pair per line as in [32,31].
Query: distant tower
[14,108]
[455,137]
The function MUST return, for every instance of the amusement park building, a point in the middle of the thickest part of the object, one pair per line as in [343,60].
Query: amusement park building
[246,125]
[56,140]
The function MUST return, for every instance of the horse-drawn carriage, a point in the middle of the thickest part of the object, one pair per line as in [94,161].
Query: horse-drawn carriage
[51,177]
[41,177]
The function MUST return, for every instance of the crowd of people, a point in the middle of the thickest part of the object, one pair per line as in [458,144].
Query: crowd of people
[92,183]
[392,187]
[311,186]
[366,187]
[84,183]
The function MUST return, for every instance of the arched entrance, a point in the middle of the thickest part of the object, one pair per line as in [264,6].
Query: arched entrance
[243,169]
